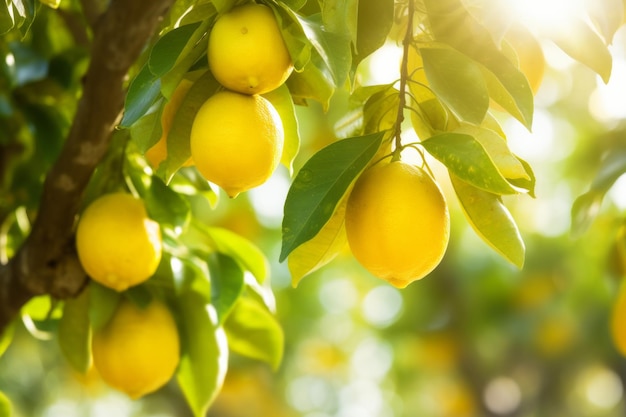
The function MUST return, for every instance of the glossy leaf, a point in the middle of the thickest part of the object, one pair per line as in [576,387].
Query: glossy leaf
[74,333]
[6,337]
[147,131]
[341,16]
[380,112]
[496,147]
[204,359]
[491,220]
[466,158]
[283,103]
[300,48]
[227,284]
[253,332]
[103,302]
[319,186]
[168,48]
[143,91]
[458,82]
[321,249]
[166,206]
[248,255]
[583,44]
[314,82]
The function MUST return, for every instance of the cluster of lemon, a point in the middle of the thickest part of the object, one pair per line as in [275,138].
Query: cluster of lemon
[236,142]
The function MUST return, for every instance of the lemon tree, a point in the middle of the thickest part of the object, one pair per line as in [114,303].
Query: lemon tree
[107,223]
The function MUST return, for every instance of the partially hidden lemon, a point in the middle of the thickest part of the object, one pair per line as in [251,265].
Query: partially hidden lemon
[397,222]
[158,152]
[247,52]
[118,245]
[138,350]
[236,140]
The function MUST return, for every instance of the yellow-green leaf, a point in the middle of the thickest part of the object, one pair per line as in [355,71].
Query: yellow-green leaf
[75,332]
[319,251]
[283,103]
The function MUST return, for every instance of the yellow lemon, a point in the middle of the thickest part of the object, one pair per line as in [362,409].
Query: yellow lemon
[397,222]
[247,52]
[158,152]
[138,350]
[236,141]
[117,243]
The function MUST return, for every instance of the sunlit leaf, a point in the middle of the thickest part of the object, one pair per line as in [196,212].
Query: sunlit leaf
[6,337]
[607,16]
[74,333]
[300,48]
[458,82]
[583,44]
[314,82]
[380,111]
[451,23]
[227,284]
[283,103]
[204,360]
[146,131]
[142,93]
[249,256]
[341,16]
[51,3]
[466,158]
[319,186]
[255,333]
[491,220]
[321,249]
[374,20]
[587,206]
[5,406]
[496,147]
[168,48]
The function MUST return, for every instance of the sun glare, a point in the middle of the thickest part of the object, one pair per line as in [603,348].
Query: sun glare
[546,16]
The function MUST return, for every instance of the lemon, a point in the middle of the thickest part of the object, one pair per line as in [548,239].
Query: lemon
[236,140]
[247,52]
[117,243]
[138,350]
[397,222]
[158,152]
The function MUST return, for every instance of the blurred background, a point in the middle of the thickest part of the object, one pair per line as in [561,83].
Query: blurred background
[477,337]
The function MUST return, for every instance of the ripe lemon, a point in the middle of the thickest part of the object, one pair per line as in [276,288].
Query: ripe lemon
[397,222]
[158,152]
[236,141]
[117,243]
[247,52]
[138,350]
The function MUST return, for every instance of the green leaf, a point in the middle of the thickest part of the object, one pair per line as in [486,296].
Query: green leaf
[528,183]
[51,3]
[204,360]
[178,148]
[223,6]
[374,21]
[333,48]
[314,82]
[283,103]
[319,186]
[587,206]
[168,48]
[166,206]
[380,112]
[466,158]
[248,255]
[491,220]
[321,249]
[496,147]
[5,406]
[6,337]
[299,47]
[75,332]
[253,332]
[142,93]
[103,302]
[227,284]
[451,23]
[458,82]
[583,44]
[341,16]
[146,131]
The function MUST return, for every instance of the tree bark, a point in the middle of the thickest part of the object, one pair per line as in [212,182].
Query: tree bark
[47,262]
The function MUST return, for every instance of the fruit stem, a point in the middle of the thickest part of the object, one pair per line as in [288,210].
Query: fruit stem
[404,76]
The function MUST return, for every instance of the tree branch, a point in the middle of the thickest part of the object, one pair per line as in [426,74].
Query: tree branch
[47,262]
